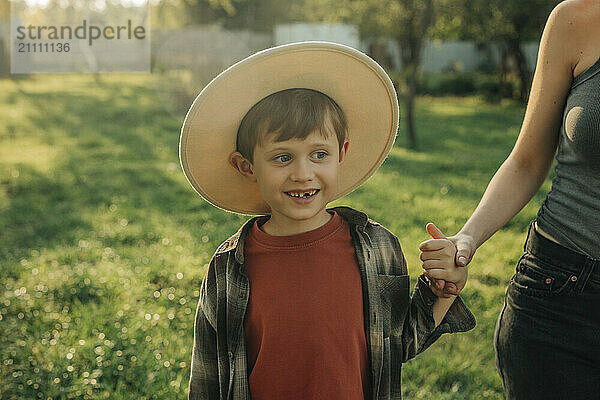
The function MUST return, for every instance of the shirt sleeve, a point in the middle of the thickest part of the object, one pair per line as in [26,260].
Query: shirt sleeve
[420,331]
[204,383]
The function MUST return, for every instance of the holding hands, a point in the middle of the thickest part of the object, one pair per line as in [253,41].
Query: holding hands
[445,261]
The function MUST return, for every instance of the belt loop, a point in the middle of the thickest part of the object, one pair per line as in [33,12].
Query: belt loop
[586,272]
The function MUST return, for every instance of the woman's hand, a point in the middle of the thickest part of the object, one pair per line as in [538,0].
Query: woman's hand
[465,248]
[433,253]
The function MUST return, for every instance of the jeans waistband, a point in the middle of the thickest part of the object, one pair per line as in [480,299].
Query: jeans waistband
[560,255]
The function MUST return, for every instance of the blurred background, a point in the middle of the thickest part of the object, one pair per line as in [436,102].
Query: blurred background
[103,244]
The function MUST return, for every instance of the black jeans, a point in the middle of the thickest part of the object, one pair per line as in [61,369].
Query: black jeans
[547,337]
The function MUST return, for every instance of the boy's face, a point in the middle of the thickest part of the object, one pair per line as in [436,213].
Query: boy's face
[297,178]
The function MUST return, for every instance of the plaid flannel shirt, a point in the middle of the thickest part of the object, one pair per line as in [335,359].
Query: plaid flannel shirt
[397,326]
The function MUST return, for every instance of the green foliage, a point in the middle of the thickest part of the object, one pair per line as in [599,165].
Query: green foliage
[462,83]
[448,84]
[507,23]
[257,15]
[492,20]
[401,20]
[485,85]
[104,244]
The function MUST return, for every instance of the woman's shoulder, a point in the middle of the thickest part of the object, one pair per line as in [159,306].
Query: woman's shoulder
[579,9]
[576,16]
[572,31]
[577,23]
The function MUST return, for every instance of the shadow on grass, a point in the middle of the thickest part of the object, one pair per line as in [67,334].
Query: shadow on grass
[117,147]
[40,213]
[445,126]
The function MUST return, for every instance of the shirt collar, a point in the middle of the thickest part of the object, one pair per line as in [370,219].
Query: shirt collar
[236,242]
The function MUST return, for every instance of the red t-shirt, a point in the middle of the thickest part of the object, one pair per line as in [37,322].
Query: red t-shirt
[304,324]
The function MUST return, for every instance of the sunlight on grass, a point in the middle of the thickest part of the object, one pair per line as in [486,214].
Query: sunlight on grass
[28,151]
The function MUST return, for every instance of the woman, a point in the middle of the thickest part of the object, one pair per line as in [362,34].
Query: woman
[547,337]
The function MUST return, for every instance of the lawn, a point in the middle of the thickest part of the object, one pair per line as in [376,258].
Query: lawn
[103,244]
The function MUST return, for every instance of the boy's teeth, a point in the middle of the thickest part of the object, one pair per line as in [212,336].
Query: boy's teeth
[302,194]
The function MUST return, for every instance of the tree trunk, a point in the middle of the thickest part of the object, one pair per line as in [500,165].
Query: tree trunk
[503,73]
[406,89]
[410,92]
[514,47]
[409,108]
[411,45]
[514,61]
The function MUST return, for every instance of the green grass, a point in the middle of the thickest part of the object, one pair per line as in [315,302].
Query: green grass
[103,244]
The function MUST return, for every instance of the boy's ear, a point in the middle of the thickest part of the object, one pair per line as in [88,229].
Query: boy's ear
[344,150]
[242,165]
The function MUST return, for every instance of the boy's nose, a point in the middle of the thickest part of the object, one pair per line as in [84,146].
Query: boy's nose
[302,171]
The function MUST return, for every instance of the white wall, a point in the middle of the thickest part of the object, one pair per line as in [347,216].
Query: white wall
[339,33]
[441,56]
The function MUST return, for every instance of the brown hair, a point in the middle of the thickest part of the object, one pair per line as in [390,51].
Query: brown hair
[290,113]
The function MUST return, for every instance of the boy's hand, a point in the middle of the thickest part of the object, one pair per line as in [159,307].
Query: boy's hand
[446,278]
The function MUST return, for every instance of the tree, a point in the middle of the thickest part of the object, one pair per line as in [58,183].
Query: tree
[256,15]
[509,23]
[408,22]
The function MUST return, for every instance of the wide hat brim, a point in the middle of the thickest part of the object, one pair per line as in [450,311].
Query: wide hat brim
[358,85]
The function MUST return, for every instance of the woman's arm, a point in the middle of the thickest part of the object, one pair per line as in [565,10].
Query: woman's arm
[525,169]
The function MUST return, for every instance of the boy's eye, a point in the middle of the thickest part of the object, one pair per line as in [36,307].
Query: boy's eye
[283,158]
[319,155]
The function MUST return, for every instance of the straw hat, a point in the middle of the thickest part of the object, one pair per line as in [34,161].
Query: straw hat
[358,85]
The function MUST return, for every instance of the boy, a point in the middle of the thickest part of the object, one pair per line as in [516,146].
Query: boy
[304,302]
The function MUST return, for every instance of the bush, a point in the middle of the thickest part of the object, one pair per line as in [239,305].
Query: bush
[457,84]
[454,83]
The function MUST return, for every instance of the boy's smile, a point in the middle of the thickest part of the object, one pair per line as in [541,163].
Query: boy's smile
[303,194]
[297,178]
